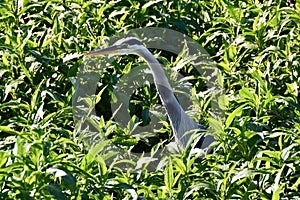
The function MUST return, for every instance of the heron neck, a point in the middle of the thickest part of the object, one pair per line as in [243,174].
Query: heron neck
[180,121]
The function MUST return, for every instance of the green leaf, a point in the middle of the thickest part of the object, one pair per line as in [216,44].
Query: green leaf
[55,191]
[7,129]
[231,116]
[4,59]
[169,176]
[245,93]
[215,125]
[3,158]
[277,189]
[35,97]
[180,166]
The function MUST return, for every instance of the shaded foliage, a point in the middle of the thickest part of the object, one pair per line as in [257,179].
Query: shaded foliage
[256,46]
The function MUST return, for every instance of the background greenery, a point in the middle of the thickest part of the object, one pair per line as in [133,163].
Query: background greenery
[256,46]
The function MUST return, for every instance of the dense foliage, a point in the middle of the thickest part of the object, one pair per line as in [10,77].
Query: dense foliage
[256,46]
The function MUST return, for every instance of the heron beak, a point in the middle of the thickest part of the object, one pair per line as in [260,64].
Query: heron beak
[108,50]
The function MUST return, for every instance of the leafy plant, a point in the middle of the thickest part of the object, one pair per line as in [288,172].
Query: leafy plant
[256,46]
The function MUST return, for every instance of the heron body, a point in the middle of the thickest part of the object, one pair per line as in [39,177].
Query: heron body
[180,121]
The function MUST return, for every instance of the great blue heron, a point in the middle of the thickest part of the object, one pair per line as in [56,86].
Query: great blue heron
[180,121]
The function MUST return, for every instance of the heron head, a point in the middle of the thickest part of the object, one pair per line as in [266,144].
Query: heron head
[121,47]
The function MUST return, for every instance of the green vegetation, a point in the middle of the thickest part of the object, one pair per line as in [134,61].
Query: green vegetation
[255,45]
